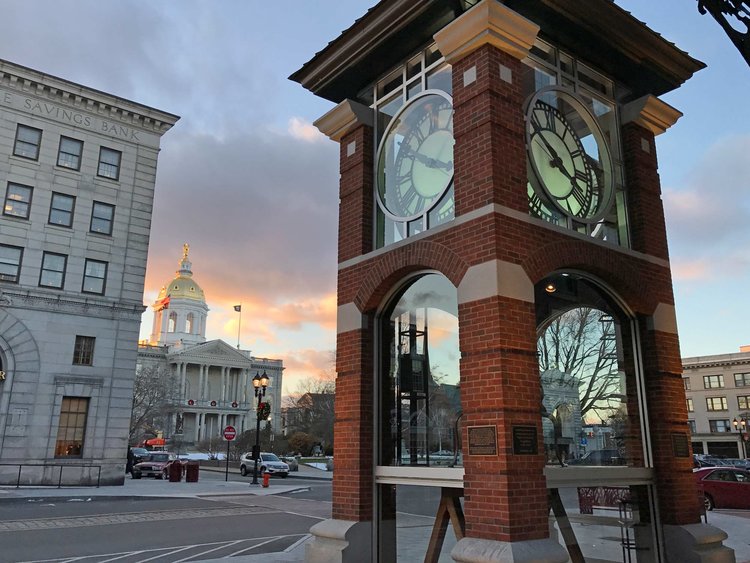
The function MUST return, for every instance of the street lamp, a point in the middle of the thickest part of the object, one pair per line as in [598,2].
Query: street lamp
[741,425]
[260,382]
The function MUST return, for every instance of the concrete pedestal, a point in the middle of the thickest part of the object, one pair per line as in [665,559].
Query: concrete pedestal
[696,543]
[339,541]
[473,550]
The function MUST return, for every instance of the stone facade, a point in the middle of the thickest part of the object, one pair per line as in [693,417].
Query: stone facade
[85,162]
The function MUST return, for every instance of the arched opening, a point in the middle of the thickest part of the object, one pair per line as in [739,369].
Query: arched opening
[594,434]
[189,323]
[172,322]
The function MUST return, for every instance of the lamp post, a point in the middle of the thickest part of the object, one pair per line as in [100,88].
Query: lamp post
[741,425]
[260,382]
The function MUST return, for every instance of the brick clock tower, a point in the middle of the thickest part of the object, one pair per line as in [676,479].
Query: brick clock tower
[508,368]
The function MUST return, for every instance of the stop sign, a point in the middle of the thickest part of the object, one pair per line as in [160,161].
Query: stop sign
[230,433]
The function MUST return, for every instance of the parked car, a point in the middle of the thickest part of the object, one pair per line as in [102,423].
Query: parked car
[268,462]
[139,454]
[599,457]
[723,487]
[292,462]
[739,463]
[157,465]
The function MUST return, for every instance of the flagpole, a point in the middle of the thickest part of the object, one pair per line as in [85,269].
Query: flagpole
[239,327]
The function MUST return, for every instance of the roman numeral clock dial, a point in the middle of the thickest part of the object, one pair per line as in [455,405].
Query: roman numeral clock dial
[415,160]
[570,164]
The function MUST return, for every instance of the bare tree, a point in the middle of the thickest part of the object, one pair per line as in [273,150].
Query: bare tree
[154,399]
[310,409]
[582,343]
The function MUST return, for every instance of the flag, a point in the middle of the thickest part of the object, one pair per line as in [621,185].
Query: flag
[238,308]
[162,304]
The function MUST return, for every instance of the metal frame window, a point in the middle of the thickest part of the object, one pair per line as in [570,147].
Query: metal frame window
[427,70]
[686,383]
[94,277]
[28,141]
[719,426]
[52,273]
[102,217]
[691,426]
[69,153]
[551,66]
[713,382]
[83,352]
[10,263]
[716,403]
[61,210]
[18,200]
[109,163]
[689,402]
[742,379]
[71,429]
[743,402]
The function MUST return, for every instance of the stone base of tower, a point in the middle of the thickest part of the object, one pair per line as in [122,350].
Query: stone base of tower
[696,543]
[475,550]
[339,541]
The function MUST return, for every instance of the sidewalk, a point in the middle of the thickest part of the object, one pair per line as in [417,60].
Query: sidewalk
[135,488]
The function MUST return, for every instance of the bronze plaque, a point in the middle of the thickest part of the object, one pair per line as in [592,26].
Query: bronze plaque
[482,440]
[680,445]
[525,440]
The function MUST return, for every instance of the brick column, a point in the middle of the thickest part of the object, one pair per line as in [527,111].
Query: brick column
[686,539]
[346,537]
[500,386]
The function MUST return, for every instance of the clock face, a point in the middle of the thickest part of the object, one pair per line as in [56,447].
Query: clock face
[415,160]
[569,158]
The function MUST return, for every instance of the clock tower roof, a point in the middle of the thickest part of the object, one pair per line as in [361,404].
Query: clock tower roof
[625,48]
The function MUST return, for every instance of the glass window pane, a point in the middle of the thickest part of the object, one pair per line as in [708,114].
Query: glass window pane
[69,155]
[27,142]
[420,383]
[17,200]
[109,163]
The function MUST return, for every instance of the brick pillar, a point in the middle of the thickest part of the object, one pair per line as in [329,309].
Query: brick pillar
[347,536]
[686,539]
[500,388]
[497,330]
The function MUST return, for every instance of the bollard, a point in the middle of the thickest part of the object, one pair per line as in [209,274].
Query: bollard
[266,479]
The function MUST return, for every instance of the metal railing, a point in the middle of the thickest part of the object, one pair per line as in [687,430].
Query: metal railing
[62,467]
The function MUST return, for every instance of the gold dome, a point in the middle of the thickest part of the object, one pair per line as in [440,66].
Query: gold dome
[183,286]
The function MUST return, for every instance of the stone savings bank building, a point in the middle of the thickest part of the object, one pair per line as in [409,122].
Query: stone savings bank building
[509,379]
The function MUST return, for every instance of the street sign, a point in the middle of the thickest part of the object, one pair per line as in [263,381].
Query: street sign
[230,433]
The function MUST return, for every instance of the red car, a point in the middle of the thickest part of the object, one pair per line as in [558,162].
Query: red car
[724,487]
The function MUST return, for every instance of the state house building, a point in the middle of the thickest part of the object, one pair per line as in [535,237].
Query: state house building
[509,383]
[77,173]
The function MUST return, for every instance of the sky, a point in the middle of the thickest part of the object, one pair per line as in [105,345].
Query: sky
[247,181]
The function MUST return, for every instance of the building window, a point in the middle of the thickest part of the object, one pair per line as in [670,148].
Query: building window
[189,323]
[83,353]
[69,153]
[716,403]
[72,427]
[102,216]
[172,322]
[742,379]
[109,163]
[686,383]
[17,200]
[719,426]
[10,263]
[691,426]
[713,381]
[53,270]
[743,402]
[28,140]
[94,277]
[61,210]
[690,405]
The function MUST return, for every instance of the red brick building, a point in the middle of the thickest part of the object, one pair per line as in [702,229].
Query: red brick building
[504,288]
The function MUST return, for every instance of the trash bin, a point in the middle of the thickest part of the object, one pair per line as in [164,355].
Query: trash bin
[266,479]
[191,472]
[175,472]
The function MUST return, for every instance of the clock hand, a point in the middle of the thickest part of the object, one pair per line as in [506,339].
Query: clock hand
[556,161]
[427,161]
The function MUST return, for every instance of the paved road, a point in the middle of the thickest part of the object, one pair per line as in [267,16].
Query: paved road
[134,529]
